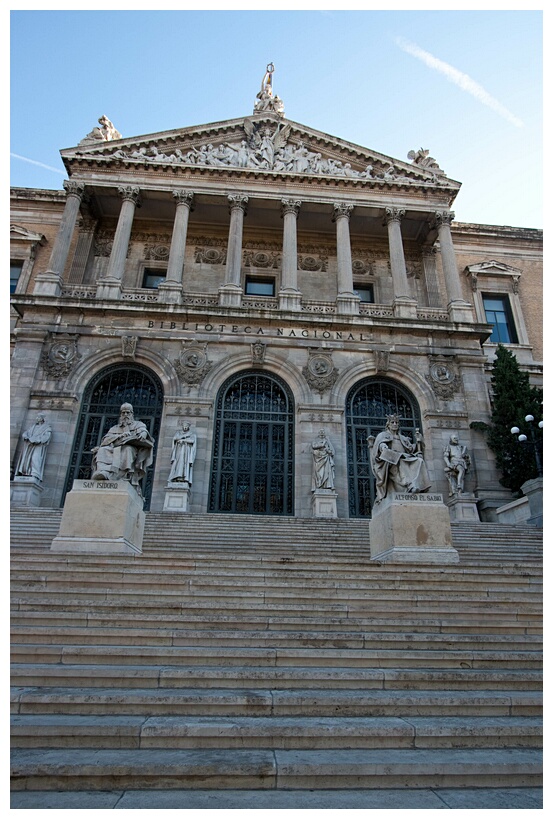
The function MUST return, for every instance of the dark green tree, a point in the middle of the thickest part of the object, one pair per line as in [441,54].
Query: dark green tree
[512,399]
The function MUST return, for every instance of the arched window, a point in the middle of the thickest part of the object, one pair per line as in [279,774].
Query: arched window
[253,450]
[102,400]
[367,405]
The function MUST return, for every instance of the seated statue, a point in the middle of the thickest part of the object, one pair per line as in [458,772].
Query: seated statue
[457,462]
[125,452]
[397,463]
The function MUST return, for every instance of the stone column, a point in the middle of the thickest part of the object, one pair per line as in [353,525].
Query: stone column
[81,259]
[50,282]
[170,291]
[405,306]
[230,294]
[346,301]
[289,295]
[110,286]
[459,309]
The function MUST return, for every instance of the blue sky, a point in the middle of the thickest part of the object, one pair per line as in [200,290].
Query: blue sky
[467,85]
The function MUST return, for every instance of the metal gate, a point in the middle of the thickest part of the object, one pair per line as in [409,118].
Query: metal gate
[253,464]
[102,400]
[367,405]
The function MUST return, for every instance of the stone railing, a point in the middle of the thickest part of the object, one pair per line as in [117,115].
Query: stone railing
[376,310]
[260,304]
[200,300]
[140,294]
[79,291]
[318,307]
[432,314]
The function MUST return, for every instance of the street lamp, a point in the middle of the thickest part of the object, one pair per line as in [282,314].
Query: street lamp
[532,442]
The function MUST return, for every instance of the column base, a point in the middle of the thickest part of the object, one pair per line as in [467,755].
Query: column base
[460,312]
[347,304]
[177,497]
[463,508]
[413,528]
[170,293]
[405,307]
[230,295]
[108,289]
[324,503]
[289,299]
[103,517]
[25,491]
[48,284]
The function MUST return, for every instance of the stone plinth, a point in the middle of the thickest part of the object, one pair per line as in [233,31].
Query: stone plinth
[324,503]
[516,512]
[25,491]
[230,295]
[104,517]
[108,288]
[533,489]
[177,497]
[413,528]
[463,508]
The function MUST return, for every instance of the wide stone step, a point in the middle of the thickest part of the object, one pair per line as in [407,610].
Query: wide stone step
[235,676]
[179,655]
[120,635]
[44,616]
[146,769]
[290,800]
[274,702]
[89,731]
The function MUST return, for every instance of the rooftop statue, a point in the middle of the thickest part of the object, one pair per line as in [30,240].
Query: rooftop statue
[422,159]
[265,99]
[105,133]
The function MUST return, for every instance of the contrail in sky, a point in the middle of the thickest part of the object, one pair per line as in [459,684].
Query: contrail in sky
[462,80]
[40,164]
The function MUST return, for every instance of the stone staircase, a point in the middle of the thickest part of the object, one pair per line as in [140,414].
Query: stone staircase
[242,653]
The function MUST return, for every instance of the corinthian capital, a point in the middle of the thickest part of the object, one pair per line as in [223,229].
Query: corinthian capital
[238,201]
[129,193]
[341,211]
[74,188]
[394,215]
[184,198]
[444,217]
[290,206]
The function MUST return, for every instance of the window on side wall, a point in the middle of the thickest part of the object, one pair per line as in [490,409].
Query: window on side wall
[499,315]
[365,292]
[153,277]
[16,266]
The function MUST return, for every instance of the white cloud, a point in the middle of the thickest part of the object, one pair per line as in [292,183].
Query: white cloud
[40,164]
[460,79]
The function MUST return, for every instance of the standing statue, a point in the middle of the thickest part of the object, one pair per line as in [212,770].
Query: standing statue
[397,463]
[33,455]
[125,452]
[457,462]
[183,455]
[323,462]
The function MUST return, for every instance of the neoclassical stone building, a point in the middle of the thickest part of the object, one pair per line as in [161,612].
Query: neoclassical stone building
[262,280]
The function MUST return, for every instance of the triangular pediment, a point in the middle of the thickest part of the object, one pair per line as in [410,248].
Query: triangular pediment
[493,268]
[262,144]
[21,233]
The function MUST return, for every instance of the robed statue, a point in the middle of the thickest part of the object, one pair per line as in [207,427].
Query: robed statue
[323,462]
[397,463]
[33,454]
[125,452]
[183,455]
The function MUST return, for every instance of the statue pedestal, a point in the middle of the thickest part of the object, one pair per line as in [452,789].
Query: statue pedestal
[324,503]
[177,497]
[104,517]
[413,528]
[533,489]
[25,491]
[463,508]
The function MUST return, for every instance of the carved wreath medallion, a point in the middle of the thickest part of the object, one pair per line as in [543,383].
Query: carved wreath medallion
[60,356]
[443,378]
[192,365]
[320,373]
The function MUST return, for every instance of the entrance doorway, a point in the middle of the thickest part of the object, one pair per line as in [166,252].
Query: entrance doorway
[253,463]
[367,405]
[113,386]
